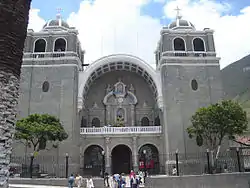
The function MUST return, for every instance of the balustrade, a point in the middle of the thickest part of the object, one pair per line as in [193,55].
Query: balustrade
[50,54]
[120,130]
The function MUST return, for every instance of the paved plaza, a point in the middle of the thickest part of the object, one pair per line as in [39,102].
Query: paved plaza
[34,186]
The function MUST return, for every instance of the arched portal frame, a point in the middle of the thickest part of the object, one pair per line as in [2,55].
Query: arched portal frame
[119,62]
[121,156]
[152,158]
[93,160]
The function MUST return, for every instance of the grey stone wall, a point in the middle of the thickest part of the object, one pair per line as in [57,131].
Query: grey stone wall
[9,85]
[181,101]
[234,180]
[60,100]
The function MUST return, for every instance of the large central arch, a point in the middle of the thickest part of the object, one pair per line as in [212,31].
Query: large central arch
[118,62]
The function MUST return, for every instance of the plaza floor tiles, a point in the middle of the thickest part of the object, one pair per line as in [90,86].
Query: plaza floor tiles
[33,186]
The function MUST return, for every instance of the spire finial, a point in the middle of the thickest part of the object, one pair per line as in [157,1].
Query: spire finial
[178,16]
[58,15]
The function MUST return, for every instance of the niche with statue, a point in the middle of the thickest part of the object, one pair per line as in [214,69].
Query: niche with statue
[120,102]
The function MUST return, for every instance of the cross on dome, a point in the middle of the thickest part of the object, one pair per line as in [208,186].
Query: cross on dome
[58,15]
[178,16]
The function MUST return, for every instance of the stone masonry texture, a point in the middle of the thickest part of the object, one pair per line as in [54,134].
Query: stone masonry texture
[9,86]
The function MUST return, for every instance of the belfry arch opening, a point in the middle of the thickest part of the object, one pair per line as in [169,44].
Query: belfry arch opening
[198,45]
[179,44]
[60,45]
[40,45]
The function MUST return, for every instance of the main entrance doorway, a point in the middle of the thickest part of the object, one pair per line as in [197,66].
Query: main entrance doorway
[121,159]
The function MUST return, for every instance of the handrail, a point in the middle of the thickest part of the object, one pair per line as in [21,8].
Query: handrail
[120,130]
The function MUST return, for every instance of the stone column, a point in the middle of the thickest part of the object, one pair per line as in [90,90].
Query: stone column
[132,115]
[135,154]
[107,155]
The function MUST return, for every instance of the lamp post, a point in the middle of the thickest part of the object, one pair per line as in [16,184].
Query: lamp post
[103,163]
[144,163]
[31,164]
[238,158]
[67,164]
[208,162]
[177,162]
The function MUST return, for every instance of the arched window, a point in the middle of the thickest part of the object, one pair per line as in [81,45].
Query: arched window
[45,86]
[83,122]
[194,85]
[144,121]
[60,45]
[198,45]
[157,121]
[96,122]
[179,44]
[40,45]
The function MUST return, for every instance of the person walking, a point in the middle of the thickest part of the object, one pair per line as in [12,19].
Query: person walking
[121,182]
[78,180]
[106,179]
[71,181]
[90,183]
[134,182]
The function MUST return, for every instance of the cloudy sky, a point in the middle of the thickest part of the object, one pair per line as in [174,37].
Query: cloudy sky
[133,26]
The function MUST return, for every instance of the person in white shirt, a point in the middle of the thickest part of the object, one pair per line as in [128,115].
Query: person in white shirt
[174,171]
[90,183]
[78,180]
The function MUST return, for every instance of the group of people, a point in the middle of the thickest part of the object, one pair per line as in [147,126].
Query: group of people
[114,181]
[78,181]
[120,180]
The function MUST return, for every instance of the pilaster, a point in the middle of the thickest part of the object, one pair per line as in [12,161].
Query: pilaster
[108,114]
[132,115]
[107,155]
[135,154]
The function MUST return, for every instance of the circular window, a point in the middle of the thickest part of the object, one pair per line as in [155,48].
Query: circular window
[194,85]
[45,86]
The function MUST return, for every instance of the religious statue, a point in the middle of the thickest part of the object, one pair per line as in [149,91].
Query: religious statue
[108,89]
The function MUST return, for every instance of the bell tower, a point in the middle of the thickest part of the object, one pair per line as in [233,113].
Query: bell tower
[49,82]
[190,77]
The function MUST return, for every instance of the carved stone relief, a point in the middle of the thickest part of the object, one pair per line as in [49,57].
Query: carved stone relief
[119,105]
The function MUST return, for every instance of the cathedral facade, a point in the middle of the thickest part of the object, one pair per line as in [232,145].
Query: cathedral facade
[119,108]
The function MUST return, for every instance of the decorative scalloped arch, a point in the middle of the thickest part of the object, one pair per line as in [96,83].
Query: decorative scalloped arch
[118,62]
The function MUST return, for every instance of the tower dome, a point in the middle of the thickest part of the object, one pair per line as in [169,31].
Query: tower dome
[58,22]
[181,24]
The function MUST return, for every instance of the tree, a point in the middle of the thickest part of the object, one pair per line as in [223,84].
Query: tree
[13,24]
[37,130]
[210,125]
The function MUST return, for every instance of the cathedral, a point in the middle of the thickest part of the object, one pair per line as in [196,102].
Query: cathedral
[119,111]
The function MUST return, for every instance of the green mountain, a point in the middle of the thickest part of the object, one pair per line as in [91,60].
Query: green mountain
[236,78]
[236,83]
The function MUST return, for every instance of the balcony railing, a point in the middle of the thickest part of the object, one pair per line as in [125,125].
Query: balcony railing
[120,130]
[50,55]
[189,54]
